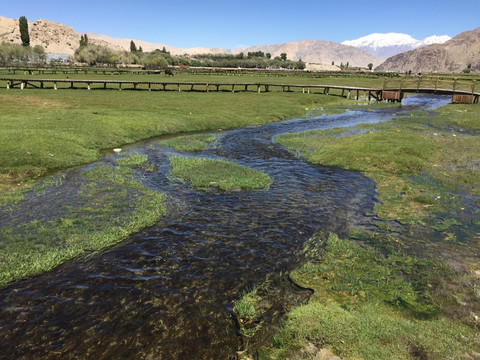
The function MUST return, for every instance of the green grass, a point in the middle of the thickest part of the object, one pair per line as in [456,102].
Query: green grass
[194,142]
[43,131]
[130,159]
[368,306]
[205,173]
[247,312]
[414,166]
[109,206]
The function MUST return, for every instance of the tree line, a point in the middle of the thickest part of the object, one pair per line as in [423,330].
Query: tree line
[16,54]
[159,59]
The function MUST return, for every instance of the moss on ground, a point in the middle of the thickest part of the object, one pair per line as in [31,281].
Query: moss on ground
[369,305]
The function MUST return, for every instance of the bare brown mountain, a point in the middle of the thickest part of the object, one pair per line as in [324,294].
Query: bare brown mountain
[53,37]
[312,51]
[61,39]
[320,52]
[452,56]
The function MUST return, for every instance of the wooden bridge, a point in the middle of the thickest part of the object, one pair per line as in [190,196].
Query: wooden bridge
[185,86]
[463,91]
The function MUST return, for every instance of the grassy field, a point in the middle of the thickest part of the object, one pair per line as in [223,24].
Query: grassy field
[385,303]
[43,130]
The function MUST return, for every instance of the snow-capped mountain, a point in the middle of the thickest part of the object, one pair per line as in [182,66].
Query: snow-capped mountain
[390,44]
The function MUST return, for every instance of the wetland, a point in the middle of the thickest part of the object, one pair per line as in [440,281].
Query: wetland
[170,288]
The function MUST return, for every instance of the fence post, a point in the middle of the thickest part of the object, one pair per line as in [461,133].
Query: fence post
[473,86]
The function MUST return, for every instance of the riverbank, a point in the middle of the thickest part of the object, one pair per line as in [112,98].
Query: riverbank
[426,170]
[43,131]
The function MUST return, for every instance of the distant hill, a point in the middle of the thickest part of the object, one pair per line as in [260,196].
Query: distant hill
[312,51]
[61,39]
[452,56]
[390,44]
[321,52]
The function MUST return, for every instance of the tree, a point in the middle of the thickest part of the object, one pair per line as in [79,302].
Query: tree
[468,69]
[39,54]
[94,54]
[268,55]
[133,47]
[301,64]
[154,61]
[83,40]
[283,56]
[22,21]
[370,66]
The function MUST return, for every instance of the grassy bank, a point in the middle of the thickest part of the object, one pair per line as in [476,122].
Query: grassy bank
[44,131]
[383,303]
[369,305]
[104,207]
[418,162]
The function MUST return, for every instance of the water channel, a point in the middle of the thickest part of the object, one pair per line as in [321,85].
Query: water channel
[167,292]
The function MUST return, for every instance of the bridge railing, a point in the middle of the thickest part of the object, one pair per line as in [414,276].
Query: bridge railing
[434,84]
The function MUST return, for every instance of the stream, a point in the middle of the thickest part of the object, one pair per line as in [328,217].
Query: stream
[167,292]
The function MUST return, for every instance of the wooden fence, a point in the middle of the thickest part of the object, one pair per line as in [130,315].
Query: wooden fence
[393,89]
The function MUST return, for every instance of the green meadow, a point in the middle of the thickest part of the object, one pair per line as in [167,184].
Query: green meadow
[205,173]
[375,297]
[70,127]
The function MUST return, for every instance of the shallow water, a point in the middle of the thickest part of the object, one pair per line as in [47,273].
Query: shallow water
[167,292]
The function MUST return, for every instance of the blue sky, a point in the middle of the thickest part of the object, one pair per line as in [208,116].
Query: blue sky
[233,24]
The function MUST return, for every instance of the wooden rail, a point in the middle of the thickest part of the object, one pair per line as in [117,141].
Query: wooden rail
[191,86]
[67,70]
[189,70]
[461,89]
[393,89]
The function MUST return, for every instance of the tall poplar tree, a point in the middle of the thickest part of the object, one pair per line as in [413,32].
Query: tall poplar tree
[133,47]
[22,21]
[83,40]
